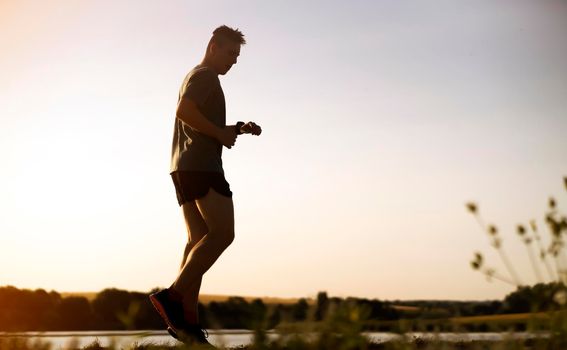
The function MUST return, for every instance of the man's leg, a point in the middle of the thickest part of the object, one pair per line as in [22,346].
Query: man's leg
[196,230]
[218,214]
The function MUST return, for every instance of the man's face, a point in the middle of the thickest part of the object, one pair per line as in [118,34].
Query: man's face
[225,56]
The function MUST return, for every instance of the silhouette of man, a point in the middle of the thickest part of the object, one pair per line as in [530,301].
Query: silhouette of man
[202,191]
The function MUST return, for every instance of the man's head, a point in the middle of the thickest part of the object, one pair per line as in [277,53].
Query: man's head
[224,48]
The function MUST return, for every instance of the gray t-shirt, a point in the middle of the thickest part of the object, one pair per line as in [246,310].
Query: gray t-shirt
[192,150]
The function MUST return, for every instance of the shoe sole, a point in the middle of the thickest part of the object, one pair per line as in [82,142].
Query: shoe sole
[183,339]
[157,305]
[188,339]
[172,333]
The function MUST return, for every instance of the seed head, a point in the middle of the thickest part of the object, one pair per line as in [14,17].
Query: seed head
[549,218]
[551,203]
[554,225]
[471,207]
[492,230]
[555,247]
[560,297]
[478,257]
[477,262]
[521,230]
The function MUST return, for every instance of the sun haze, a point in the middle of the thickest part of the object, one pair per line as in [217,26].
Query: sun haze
[380,120]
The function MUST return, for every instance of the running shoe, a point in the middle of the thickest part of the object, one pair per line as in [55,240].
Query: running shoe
[192,334]
[170,310]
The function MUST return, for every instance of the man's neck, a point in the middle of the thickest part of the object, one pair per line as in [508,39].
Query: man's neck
[206,63]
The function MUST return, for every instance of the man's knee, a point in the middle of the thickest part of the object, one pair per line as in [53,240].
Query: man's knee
[193,239]
[229,237]
[189,245]
[223,235]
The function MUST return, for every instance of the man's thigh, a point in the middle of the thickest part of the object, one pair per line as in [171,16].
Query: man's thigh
[196,226]
[217,211]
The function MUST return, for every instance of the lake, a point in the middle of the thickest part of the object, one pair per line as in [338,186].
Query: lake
[223,337]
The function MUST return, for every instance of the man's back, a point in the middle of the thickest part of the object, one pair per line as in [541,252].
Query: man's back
[192,150]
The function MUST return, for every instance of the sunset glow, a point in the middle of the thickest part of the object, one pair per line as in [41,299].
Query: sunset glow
[380,120]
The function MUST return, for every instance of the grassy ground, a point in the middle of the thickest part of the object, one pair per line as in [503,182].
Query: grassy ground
[296,342]
[342,330]
[488,323]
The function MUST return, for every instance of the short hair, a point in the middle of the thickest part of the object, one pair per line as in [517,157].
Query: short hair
[223,34]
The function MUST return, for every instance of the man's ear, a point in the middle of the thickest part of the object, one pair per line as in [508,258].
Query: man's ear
[213,48]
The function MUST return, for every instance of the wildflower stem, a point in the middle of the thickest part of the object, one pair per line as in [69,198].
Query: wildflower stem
[534,264]
[504,258]
[562,267]
[543,253]
[480,222]
[492,274]
[555,250]
[498,247]
[560,271]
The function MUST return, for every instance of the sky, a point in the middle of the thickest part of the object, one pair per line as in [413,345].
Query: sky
[380,120]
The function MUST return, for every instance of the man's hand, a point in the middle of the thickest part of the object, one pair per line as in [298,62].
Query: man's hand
[251,128]
[227,136]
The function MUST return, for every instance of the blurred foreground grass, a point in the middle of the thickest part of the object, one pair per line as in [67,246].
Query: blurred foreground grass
[340,330]
[297,342]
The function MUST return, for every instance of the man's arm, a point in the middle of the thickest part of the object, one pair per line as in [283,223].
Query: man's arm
[189,113]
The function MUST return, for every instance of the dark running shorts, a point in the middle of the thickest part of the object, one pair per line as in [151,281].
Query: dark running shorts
[191,185]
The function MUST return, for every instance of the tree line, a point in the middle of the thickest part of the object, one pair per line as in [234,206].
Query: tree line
[115,309]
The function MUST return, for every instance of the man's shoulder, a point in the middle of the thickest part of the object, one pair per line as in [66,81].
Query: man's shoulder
[202,72]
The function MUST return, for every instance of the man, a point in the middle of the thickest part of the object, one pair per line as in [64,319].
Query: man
[202,191]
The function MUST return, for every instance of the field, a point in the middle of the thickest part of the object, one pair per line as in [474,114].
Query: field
[206,298]
[525,317]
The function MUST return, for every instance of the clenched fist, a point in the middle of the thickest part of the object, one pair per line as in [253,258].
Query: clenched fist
[251,128]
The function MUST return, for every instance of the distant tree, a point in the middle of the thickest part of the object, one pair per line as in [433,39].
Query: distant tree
[321,306]
[258,312]
[486,308]
[378,309]
[300,309]
[233,313]
[274,316]
[75,313]
[107,305]
[143,313]
[540,297]
[25,310]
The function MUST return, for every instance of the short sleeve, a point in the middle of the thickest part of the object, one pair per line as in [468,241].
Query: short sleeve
[199,86]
